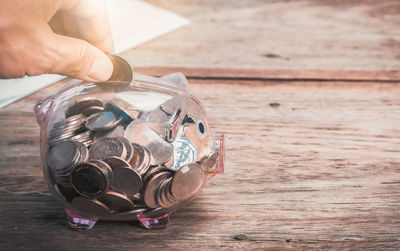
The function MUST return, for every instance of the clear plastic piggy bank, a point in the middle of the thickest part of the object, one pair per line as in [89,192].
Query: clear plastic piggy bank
[131,148]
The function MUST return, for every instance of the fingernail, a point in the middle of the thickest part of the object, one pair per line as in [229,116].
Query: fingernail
[101,70]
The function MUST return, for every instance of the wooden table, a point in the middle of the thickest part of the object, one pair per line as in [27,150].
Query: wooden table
[312,151]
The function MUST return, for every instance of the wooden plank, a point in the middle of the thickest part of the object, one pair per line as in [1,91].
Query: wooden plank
[275,75]
[308,165]
[307,35]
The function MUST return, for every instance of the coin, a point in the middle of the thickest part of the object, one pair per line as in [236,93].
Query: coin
[117,202]
[162,198]
[152,171]
[107,147]
[126,180]
[90,110]
[122,70]
[78,118]
[152,186]
[141,158]
[118,131]
[184,153]
[115,162]
[84,152]
[187,182]
[62,155]
[79,106]
[90,206]
[104,120]
[90,179]
[129,148]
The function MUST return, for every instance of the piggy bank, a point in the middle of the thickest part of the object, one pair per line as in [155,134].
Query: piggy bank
[132,148]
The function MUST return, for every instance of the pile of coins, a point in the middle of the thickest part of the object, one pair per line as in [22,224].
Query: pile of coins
[104,159]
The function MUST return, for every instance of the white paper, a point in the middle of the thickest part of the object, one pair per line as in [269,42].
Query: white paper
[132,23]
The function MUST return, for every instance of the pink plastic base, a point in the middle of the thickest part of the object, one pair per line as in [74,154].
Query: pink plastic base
[78,222]
[155,222]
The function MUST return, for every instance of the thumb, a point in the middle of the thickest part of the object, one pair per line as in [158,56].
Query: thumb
[78,59]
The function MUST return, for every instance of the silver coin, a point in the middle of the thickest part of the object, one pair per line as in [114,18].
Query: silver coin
[78,118]
[187,182]
[152,186]
[160,150]
[102,121]
[184,153]
[117,202]
[84,152]
[81,137]
[64,134]
[80,105]
[107,147]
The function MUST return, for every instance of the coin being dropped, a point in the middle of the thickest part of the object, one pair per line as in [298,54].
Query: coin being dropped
[117,202]
[107,147]
[90,206]
[187,182]
[122,70]
[104,120]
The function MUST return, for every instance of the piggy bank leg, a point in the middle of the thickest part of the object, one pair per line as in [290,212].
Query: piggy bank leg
[154,221]
[78,222]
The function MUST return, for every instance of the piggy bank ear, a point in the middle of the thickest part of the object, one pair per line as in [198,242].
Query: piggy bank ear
[178,81]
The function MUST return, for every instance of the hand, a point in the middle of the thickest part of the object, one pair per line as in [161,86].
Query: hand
[67,37]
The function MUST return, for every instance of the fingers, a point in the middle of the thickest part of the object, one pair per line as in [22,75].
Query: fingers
[90,18]
[79,59]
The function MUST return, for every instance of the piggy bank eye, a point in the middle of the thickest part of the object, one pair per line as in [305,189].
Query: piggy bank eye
[201,129]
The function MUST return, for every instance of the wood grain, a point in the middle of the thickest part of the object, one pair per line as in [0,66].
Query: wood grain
[308,166]
[292,36]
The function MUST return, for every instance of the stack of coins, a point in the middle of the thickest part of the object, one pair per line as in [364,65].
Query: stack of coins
[71,129]
[63,156]
[166,188]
